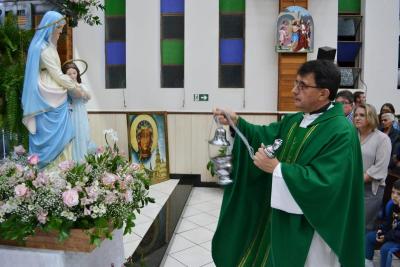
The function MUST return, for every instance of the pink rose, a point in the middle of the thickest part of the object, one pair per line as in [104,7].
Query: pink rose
[109,178]
[92,192]
[41,180]
[42,217]
[66,165]
[19,150]
[33,159]
[71,198]
[19,170]
[21,190]
[128,178]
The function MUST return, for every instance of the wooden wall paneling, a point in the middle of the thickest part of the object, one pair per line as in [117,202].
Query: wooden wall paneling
[171,121]
[100,122]
[286,3]
[201,126]
[183,145]
[288,63]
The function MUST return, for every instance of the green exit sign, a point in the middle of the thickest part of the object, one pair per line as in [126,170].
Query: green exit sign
[200,97]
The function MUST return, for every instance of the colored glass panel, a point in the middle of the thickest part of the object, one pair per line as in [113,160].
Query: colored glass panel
[172,76]
[116,76]
[231,6]
[172,6]
[172,52]
[115,7]
[115,29]
[231,26]
[172,27]
[350,6]
[231,51]
[231,76]
[115,53]
[347,51]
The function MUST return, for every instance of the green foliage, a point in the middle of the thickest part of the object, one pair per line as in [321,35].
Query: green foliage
[14,44]
[210,165]
[77,10]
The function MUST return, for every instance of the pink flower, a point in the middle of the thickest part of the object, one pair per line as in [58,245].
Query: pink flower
[99,150]
[42,217]
[66,165]
[109,178]
[33,159]
[92,192]
[122,185]
[128,196]
[86,212]
[41,180]
[71,198]
[19,170]
[19,150]
[128,179]
[110,198]
[21,190]
[135,166]
[30,175]
[88,168]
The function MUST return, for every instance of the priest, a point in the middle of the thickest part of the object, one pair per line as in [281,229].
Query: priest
[306,206]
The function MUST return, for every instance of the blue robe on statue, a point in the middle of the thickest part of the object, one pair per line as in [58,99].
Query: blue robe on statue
[44,97]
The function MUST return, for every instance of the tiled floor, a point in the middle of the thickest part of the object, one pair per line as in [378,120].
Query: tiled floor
[191,243]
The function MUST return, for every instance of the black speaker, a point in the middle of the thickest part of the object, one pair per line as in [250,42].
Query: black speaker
[327,53]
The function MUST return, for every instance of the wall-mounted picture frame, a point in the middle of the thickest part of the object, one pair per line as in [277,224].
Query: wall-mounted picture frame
[148,143]
[295,31]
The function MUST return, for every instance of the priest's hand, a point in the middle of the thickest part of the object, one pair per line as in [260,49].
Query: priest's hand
[220,114]
[263,162]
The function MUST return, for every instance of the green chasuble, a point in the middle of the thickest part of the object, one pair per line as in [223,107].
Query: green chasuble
[322,167]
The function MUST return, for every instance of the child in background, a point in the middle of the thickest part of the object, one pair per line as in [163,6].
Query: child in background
[81,143]
[388,234]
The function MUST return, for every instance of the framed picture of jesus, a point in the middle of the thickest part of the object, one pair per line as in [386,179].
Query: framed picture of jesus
[148,146]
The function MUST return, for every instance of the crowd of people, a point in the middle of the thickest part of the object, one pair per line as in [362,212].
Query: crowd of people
[380,146]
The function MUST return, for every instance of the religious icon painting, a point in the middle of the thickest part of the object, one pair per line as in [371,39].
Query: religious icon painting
[295,31]
[148,146]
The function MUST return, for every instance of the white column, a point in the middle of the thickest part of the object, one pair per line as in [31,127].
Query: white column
[380,51]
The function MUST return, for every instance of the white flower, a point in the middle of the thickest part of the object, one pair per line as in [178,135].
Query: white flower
[112,134]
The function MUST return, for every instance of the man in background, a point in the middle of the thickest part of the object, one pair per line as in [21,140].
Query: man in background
[345,97]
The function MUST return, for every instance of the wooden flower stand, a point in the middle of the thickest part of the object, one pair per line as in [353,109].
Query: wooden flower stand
[78,241]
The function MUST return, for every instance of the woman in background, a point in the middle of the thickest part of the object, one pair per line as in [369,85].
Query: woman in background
[375,149]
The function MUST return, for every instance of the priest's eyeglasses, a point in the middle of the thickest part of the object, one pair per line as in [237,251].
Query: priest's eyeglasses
[302,86]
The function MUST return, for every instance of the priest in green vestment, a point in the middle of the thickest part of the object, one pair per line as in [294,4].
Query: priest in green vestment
[305,207]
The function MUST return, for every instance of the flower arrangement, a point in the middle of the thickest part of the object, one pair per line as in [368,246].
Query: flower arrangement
[98,195]
[79,9]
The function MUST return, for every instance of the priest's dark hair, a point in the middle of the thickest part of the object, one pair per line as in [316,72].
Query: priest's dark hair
[326,75]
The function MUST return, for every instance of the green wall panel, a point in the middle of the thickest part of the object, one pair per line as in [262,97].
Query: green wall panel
[115,7]
[234,6]
[349,6]
[172,52]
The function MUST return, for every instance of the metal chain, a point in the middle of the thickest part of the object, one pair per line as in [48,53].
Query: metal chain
[244,139]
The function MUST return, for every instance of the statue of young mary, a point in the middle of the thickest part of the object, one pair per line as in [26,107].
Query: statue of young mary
[44,97]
